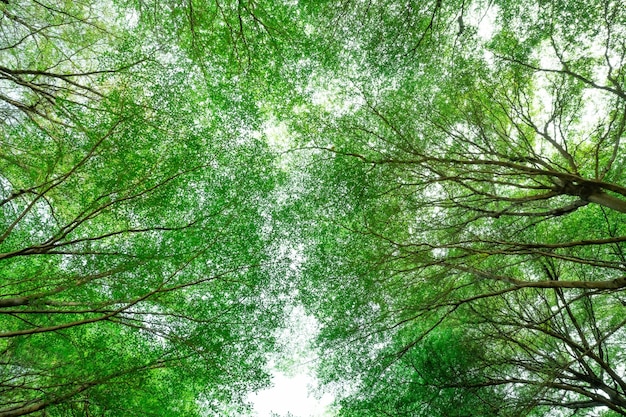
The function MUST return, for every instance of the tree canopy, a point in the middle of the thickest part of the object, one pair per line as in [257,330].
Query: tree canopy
[473,253]
[133,216]
[439,183]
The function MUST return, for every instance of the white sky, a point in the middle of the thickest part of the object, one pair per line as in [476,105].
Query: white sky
[294,386]
[291,394]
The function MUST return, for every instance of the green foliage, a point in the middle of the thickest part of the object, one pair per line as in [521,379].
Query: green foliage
[132,194]
[467,180]
[451,210]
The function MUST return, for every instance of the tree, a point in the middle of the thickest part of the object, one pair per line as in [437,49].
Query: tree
[131,221]
[486,172]
[452,215]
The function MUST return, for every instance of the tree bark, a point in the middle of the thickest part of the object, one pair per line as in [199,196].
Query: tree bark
[14,302]
[607,200]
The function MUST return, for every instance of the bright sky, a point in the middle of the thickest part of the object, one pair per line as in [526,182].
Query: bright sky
[291,395]
[293,390]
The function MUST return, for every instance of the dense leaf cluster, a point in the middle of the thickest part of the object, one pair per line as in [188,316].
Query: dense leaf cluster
[439,183]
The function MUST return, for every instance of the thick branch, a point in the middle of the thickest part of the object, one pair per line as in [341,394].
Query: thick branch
[614,284]
[608,201]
